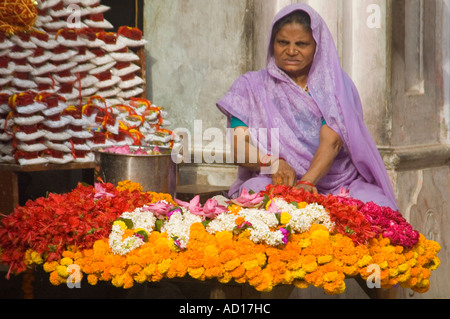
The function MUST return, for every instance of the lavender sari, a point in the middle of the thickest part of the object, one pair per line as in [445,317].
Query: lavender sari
[271,99]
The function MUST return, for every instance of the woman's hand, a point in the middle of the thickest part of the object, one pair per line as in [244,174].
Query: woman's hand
[307,186]
[283,173]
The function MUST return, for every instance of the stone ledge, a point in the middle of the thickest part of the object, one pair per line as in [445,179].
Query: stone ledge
[415,157]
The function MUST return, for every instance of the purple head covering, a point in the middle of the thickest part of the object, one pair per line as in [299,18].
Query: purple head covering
[271,99]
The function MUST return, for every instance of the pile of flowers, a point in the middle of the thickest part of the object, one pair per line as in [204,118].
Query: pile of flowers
[42,230]
[279,236]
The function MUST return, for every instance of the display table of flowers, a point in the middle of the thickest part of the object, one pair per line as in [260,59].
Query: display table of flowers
[282,236]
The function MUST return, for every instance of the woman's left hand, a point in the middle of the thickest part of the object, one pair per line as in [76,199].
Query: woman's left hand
[309,188]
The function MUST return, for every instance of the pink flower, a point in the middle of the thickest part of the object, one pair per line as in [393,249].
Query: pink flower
[210,210]
[344,193]
[100,191]
[124,150]
[390,224]
[159,209]
[285,233]
[272,208]
[248,200]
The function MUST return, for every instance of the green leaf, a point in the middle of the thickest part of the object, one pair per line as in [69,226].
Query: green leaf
[348,230]
[158,225]
[128,222]
[295,204]
[206,222]
[266,200]
[278,216]
[143,233]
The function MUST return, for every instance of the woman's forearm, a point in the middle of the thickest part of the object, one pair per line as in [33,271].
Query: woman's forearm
[245,153]
[329,148]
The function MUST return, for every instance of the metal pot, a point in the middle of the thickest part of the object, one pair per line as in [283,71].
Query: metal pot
[155,173]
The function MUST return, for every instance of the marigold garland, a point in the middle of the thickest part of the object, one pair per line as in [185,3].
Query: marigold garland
[222,245]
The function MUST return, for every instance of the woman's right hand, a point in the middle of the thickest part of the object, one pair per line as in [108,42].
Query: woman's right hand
[283,173]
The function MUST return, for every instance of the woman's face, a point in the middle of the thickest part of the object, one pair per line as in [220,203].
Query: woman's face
[294,49]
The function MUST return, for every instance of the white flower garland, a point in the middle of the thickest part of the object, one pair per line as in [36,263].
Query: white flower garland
[260,222]
[179,226]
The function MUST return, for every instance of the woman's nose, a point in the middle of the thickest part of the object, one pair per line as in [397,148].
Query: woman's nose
[292,51]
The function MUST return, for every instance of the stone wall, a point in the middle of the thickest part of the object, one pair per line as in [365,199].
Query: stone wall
[396,51]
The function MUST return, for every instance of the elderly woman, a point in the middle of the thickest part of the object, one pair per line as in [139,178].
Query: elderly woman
[303,92]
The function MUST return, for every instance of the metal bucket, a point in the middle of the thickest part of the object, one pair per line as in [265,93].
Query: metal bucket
[155,173]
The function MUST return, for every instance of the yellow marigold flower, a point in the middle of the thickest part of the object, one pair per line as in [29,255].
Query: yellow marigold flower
[324,259]
[232,264]
[364,261]
[302,205]
[436,262]
[225,278]
[310,267]
[140,277]
[128,282]
[239,221]
[66,262]
[384,265]
[334,288]
[393,272]
[163,267]
[234,209]
[62,271]
[150,270]
[238,272]
[301,284]
[118,281]
[32,257]
[56,279]
[129,186]
[121,224]
[299,274]
[330,276]
[304,243]
[285,218]
[320,233]
[249,265]
[214,272]
[92,280]
[196,273]
[50,266]
[351,270]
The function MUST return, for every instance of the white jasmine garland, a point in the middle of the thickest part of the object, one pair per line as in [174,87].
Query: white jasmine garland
[179,226]
[223,222]
[141,219]
[302,219]
[123,247]
[261,223]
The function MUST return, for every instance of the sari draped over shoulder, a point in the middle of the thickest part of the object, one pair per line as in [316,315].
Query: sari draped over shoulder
[270,100]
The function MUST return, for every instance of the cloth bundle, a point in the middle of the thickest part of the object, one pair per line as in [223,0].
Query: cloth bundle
[42,127]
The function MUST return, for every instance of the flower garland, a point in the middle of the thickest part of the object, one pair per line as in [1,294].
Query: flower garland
[280,236]
[42,229]
[314,258]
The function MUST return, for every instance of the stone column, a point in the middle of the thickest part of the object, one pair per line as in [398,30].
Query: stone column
[196,49]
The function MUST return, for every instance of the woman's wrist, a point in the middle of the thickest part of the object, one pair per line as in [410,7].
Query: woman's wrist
[306,183]
[269,160]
